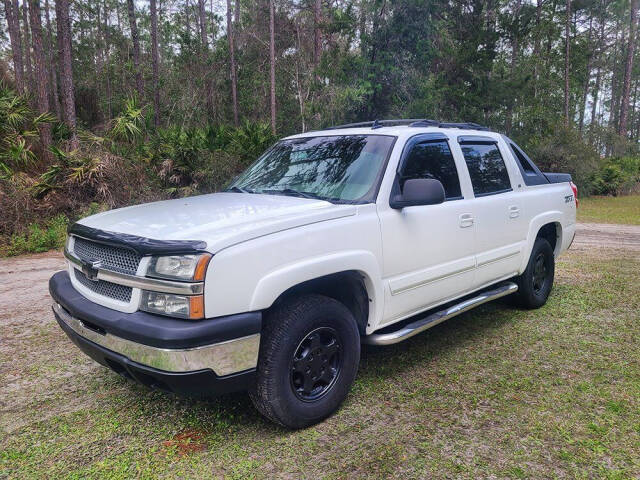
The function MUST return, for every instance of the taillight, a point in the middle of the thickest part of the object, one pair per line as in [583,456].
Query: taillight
[575,192]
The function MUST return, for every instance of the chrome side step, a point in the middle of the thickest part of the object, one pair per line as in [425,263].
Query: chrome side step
[435,318]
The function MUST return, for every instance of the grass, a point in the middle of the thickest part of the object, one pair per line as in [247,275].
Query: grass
[625,209]
[497,392]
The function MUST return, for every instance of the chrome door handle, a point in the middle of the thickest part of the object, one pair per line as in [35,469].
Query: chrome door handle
[514,211]
[466,220]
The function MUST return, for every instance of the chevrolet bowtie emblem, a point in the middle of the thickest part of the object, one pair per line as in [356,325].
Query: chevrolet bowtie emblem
[90,269]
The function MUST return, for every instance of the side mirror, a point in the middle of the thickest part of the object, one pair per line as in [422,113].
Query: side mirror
[419,191]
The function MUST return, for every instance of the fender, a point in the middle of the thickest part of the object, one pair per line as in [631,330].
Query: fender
[276,282]
[554,216]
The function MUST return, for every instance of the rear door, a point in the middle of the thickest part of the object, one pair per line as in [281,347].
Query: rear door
[428,250]
[498,213]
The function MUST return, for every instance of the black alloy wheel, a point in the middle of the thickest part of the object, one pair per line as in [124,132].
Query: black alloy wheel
[539,276]
[316,364]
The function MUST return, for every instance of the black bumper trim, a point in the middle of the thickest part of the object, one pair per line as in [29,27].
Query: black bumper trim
[196,384]
[149,329]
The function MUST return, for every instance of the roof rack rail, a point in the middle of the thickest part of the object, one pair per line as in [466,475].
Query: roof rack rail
[411,122]
[376,123]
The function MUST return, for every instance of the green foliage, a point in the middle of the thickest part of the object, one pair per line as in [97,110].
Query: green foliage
[17,126]
[129,125]
[617,176]
[565,151]
[39,237]
[189,160]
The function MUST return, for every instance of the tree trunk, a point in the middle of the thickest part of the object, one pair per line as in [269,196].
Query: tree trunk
[204,51]
[317,32]
[587,80]
[232,66]
[155,62]
[515,48]
[52,63]
[536,49]
[187,19]
[626,86]
[272,58]
[42,77]
[13,26]
[107,47]
[614,111]
[66,76]
[136,49]
[567,32]
[27,48]
[203,25]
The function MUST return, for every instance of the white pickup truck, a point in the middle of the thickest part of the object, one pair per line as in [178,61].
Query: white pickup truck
[363,233]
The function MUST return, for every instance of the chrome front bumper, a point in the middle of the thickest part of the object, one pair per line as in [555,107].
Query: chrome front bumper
[224,358]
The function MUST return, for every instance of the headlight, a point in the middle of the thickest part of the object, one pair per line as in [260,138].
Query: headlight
[181,306]
[179,267]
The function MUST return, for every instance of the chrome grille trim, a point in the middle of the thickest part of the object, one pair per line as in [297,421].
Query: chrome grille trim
[116,259]
[121,293]
[145,283]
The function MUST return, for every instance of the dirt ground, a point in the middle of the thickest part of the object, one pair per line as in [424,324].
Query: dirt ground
[45,383]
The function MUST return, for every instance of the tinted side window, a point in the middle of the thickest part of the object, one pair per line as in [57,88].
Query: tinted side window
[433,160]
[486,168]
[524,163]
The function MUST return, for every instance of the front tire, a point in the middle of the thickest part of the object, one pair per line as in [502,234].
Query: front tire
[535,283]
[309,354]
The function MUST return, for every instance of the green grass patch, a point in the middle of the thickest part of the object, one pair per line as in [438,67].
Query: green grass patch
[38,238]
[624,209]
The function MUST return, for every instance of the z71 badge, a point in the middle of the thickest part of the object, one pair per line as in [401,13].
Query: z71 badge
[568,199]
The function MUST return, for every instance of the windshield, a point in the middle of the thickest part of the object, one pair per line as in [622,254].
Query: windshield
[344,168]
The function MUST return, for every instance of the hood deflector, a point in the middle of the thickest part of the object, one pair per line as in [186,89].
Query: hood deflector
[141,245]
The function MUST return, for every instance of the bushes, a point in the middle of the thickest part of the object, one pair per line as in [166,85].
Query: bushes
[565,151]
[617,176]
[38,238]
[203,160]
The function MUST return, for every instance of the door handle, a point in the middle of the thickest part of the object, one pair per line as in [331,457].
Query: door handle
[514,211]
[466,220]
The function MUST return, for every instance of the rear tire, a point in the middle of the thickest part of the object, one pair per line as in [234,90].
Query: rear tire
[535,283]
[309,354]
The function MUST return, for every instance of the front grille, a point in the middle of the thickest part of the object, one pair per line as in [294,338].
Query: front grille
[116,259]
[106,289]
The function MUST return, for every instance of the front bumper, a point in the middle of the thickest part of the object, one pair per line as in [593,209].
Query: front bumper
[194,358]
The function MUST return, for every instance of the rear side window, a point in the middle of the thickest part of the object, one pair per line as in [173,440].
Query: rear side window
[486,168]
[433,159]
[530,173]
[522,160]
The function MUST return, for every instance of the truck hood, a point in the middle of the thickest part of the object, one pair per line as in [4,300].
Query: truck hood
[219,219]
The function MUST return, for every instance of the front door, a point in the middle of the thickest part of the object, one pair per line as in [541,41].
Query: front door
[428,250]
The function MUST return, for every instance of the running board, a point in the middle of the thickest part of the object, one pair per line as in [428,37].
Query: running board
[435,318]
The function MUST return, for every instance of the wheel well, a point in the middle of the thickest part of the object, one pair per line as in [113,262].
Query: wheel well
[347,288]
[550,232]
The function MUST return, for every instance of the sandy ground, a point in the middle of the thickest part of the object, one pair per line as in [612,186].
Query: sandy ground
[603,235]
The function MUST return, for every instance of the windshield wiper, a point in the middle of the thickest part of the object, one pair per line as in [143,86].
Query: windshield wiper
[239,190]
[293,193]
